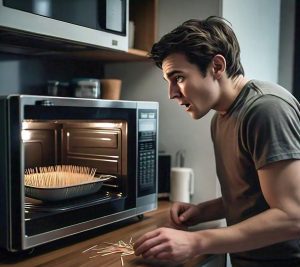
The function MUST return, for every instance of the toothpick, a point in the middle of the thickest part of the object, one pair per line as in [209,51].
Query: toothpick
[89,249]
[125,249]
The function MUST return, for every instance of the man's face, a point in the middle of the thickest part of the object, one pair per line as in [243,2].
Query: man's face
[196,93]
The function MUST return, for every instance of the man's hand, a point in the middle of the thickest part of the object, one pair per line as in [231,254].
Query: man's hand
[183,215]
[167,244]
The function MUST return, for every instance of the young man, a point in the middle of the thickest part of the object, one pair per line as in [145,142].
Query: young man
[256,137]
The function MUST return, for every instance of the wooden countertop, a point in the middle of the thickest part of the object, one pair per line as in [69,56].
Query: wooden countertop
[68,251]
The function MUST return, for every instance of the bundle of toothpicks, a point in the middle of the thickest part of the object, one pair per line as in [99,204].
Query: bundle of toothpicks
[120,247]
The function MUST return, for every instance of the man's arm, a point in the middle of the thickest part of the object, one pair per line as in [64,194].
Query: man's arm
[280,184]
[183,215]
[211,210]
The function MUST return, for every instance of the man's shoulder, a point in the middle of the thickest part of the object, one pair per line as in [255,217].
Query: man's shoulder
[268,88]
[270,98]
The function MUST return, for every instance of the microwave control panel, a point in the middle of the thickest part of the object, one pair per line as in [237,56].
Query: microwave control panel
[147,152]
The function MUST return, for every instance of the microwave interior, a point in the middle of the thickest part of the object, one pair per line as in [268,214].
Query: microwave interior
[102,140]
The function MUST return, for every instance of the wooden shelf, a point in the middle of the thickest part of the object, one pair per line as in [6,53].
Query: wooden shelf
[108,55]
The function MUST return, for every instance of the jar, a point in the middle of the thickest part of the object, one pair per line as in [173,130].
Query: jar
[52,88]
[86,88]
[57,88]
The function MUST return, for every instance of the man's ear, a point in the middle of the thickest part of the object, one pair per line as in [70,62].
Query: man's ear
[219,66]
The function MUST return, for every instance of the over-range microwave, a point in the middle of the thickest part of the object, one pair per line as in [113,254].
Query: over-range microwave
[96,23]
[114,138]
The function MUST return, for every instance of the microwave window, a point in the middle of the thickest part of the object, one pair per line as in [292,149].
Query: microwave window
[106,15]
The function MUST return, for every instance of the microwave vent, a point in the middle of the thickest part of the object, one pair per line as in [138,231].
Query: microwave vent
[18,42]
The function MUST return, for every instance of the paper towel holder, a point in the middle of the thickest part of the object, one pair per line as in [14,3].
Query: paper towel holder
[181,190]
[180,158]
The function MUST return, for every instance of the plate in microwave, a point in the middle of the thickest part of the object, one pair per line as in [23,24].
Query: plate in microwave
[64,193]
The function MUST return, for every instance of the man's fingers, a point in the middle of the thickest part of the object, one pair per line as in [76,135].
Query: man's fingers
[156,250]
[147,241]
[174,216]
[176,210]
[185,216]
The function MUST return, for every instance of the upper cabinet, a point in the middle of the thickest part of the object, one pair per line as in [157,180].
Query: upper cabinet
[98,30]
[143,16]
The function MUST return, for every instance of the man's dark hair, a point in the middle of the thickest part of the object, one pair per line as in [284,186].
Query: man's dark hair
[200,41]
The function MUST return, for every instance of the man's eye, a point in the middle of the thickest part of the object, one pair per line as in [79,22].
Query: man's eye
[179,79]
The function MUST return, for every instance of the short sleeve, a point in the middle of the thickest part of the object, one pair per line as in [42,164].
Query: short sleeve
[271,131]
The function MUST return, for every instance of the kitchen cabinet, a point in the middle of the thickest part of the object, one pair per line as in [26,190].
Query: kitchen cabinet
[143,14]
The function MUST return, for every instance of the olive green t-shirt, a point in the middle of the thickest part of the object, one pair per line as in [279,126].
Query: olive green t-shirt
[261,126]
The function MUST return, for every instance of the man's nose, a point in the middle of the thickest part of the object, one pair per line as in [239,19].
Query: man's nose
[173,91]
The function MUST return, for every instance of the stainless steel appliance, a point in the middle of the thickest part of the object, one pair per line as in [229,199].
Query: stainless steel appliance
[99,23]
[116,138]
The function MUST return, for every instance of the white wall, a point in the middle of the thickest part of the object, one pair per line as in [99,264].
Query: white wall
[256,24]
[143,81]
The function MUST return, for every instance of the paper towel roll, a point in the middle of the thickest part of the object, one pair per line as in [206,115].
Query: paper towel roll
[181,184]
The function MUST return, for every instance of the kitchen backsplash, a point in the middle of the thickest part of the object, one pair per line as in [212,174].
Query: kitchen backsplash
[29,74]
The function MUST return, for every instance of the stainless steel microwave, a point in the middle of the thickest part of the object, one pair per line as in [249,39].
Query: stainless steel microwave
[115,138]
[98,23]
